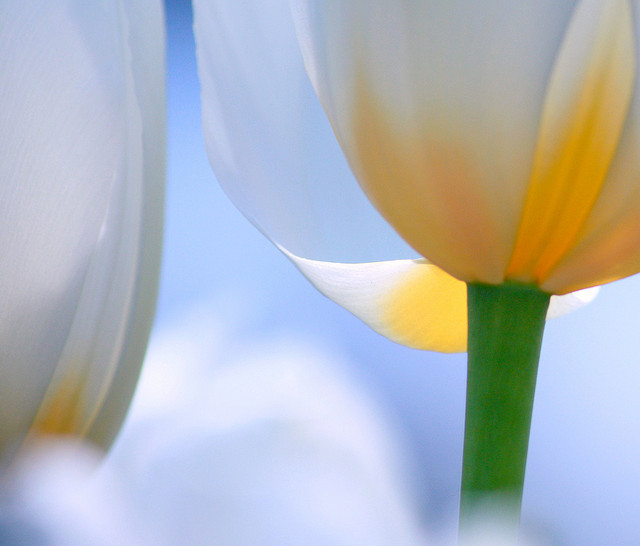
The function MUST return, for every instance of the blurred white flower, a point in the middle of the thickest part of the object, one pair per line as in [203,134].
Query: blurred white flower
[271,445]
[58,495]
[82,161]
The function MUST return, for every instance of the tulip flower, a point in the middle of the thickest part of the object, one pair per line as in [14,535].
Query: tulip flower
[499,141]
[277,158]
[81,200]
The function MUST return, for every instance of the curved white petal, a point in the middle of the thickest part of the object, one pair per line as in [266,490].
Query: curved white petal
[71,162]
[147,44]
[609,244]
[62,142]
[412,302]
[437,106]
[269,142]
[562,305]
[585,112]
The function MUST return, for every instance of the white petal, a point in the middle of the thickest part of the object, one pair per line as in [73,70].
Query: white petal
[147,44]
[585,112]
[412,302]
[459,87]
[94,380]
[562,305]
[609,245]
[70,161]
[268,139]
[62,98]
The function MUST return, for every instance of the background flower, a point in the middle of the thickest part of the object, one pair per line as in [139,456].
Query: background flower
[275,444]
[82,163]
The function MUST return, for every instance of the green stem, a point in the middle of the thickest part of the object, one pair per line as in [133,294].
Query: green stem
[506,323]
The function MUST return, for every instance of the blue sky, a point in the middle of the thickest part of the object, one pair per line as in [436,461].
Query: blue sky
[583,474]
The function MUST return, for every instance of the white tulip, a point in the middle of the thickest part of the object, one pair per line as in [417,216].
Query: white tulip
[82,138]
[277,156]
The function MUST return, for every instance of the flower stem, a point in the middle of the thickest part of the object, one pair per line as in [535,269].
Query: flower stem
[506,323]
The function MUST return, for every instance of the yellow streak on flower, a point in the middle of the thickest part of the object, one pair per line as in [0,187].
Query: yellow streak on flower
[428,310]
[425,185]
[582,121]
[63,410]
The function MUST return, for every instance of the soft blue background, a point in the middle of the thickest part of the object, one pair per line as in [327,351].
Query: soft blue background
[583,476]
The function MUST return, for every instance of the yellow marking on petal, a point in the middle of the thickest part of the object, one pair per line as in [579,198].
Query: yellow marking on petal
[424,183]
[584,114]
[63,411]
[428,310]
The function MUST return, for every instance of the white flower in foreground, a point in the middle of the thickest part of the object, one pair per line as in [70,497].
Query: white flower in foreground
[82,137]
[276,155]
[500,141]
